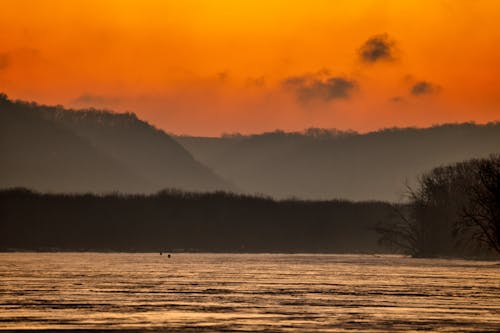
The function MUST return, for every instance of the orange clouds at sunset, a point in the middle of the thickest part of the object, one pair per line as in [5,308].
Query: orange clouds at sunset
[208,67]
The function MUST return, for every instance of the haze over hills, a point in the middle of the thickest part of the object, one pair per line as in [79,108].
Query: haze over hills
[54,149]
[49,148]
[321,164]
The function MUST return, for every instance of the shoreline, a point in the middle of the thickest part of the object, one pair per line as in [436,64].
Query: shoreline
[165,253]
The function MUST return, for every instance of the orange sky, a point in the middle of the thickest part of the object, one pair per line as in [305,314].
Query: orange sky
[209,67]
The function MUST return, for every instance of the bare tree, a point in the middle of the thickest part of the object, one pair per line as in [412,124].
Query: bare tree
[399,232]
[481,214]
[451,208]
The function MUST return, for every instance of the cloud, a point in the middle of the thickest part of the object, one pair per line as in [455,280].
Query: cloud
[89,99]
[423,88]
[397,99]
[314,87]
[223,76]
[377,48]
[255,81]
[24,57]
[4,60]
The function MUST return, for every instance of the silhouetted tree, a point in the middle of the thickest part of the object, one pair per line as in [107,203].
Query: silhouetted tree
[481,215]
[399,232]
[452,207]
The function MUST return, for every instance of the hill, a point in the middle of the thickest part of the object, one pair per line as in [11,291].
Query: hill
[50,148]
[321,164]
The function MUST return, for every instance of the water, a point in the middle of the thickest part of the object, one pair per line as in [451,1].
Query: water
[247,293]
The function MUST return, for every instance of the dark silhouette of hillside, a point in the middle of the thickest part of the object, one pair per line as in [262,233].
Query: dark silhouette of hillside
[172,220]
[320,164]
[54,149]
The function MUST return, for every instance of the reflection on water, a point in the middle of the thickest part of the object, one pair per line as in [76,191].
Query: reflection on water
[247,292]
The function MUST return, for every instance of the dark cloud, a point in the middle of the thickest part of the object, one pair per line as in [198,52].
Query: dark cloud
[377,48]
[4,60]
[20,57]
[397,99]
[255,81]
[311,87]
[89,99]
[423,88]
[223,76]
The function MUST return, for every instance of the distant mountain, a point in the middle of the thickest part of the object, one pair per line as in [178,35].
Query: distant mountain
[54,149]
[321,164]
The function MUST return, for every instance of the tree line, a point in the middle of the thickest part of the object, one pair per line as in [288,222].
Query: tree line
[183,221]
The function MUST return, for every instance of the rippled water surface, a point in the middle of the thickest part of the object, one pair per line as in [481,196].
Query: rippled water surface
[247,292]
